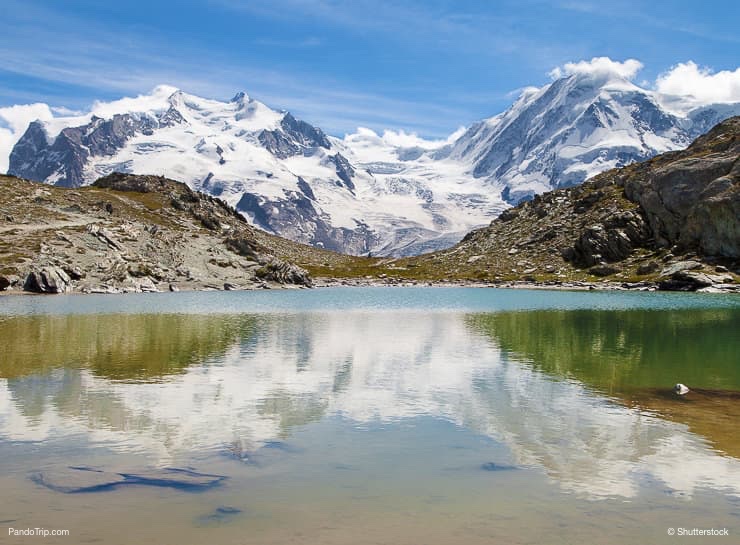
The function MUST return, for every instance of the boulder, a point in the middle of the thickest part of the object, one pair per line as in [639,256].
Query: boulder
[283,272]
[685,280]
[647,268]
[147,285]
[603,269]
[48,280]
[680,266]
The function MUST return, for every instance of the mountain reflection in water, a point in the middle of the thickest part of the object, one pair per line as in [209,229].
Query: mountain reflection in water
[568,393]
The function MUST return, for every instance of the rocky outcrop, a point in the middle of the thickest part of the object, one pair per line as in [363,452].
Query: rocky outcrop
[293,138]
[610,241]
[281,272]
[129,233]
[344,170]
[689,201]
[4,283]
[48,280]
[694,201]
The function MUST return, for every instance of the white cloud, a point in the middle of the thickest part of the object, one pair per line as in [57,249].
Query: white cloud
[155,100]
[14,121]
[700,84]
[403,139]
[599,66]
[398,139]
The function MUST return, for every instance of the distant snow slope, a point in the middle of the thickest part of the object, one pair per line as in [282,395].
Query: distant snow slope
[365,193]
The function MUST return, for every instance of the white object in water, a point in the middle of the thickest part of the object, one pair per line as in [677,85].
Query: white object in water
[681,389]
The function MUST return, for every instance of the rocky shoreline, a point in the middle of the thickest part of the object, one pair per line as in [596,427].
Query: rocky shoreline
[319,283]
[523,284]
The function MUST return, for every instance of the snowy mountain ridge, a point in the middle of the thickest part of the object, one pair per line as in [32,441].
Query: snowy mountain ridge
[365,193]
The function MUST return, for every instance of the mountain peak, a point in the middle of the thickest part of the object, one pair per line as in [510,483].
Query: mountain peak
[240,97]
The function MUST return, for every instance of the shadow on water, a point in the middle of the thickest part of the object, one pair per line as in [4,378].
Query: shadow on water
[144,348]
[636,356]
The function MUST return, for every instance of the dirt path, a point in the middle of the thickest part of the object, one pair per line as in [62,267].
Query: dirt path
[27,227]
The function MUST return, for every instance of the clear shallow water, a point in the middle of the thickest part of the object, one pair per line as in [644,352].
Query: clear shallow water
[375,415]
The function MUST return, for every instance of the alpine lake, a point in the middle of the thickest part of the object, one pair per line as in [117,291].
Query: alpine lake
[370,416]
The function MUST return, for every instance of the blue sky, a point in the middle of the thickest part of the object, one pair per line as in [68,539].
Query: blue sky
[426,66]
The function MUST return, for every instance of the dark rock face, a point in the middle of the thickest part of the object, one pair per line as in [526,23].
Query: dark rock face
[611,241]
[278,144]
[293,138]
[63,159]
[306,189]
[304,133]
[694,201]
[254,206]
[282,272]
[296,218]
[344,170]
[47,280]
[685,281]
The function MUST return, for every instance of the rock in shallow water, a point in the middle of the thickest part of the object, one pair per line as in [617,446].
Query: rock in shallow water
[223,514]
[492,466]
[73,480]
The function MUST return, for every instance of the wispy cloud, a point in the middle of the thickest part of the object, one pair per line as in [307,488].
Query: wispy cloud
[290,43]
[450,25]
[635,12]
[90,60]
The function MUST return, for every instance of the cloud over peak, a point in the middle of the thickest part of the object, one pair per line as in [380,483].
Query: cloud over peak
[599,66]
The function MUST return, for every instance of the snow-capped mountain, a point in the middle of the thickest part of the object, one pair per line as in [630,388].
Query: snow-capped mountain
[565,132]
[285,175]
[367,193]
